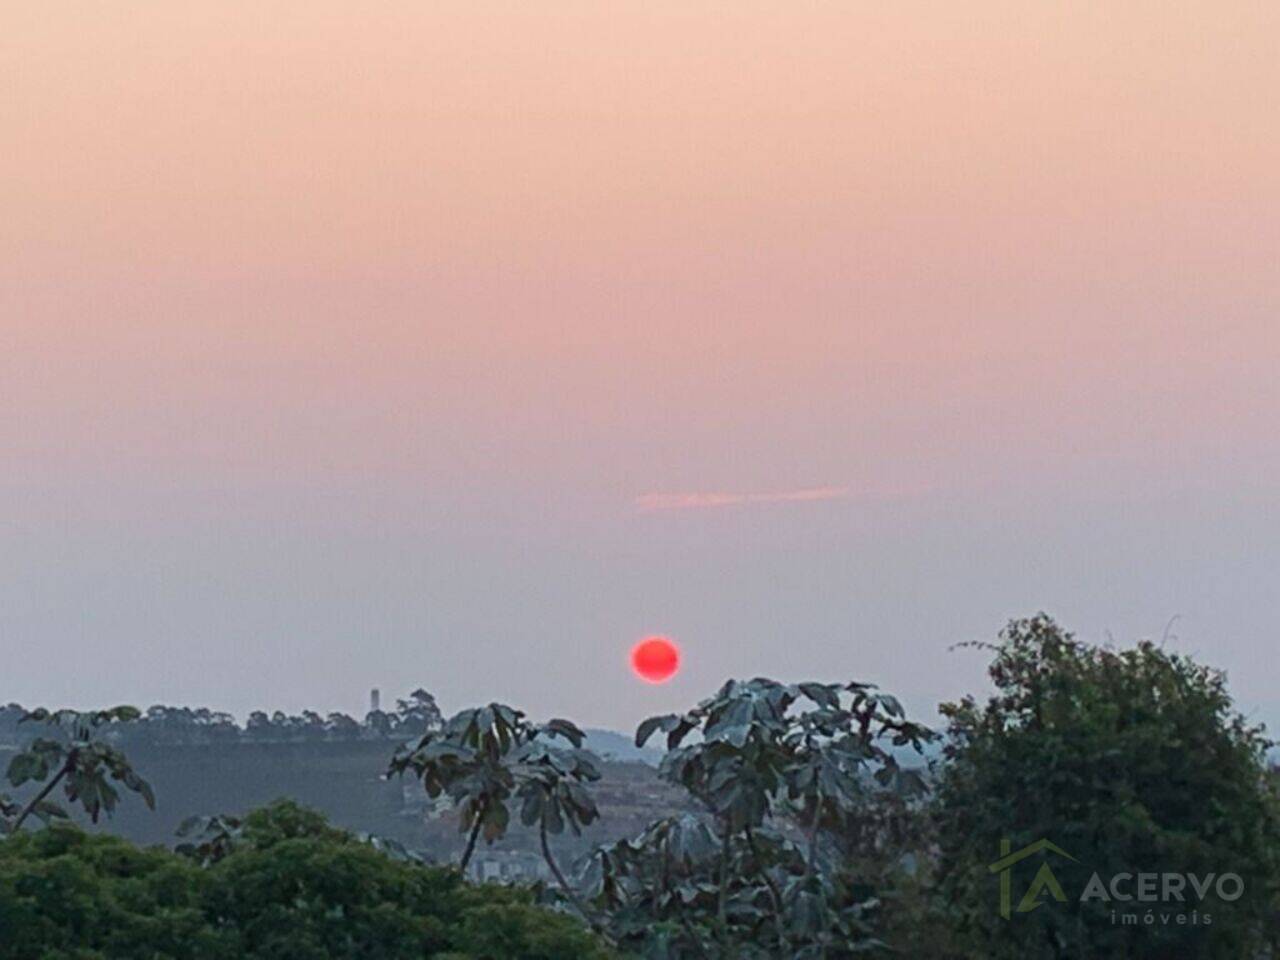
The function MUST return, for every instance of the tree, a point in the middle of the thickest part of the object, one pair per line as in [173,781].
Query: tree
[78,759]
[289,887]
[342,727]
[417,714]
[553,794]
[313,727]
[761,875]
[379,722]
[1129,761]
[258,726]
[484,758]
[67,895]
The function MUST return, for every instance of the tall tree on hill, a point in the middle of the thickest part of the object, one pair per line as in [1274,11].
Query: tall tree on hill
[417,713]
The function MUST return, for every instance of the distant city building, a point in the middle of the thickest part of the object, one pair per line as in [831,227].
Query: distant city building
[375,700]
[511,866]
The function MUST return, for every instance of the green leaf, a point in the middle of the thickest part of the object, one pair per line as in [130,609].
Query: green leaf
[824,695]
[650,726]
[531,811]
[27,766]
[496,819]
[567,730]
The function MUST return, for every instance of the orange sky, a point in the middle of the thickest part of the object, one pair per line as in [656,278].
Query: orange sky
[479,267]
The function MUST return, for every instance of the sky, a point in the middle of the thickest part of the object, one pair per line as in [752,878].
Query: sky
[462,344]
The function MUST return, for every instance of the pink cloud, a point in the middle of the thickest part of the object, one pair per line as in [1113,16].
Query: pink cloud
[699,500]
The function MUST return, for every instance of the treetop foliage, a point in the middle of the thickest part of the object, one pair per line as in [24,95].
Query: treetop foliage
[290,888]
[781,772]
[162,725]
[1130,760]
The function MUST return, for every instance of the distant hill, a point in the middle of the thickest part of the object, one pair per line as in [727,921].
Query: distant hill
[612,745]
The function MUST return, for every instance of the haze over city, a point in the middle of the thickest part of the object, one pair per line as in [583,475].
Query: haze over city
[461,345]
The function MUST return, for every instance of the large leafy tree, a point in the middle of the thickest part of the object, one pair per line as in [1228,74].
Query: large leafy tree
[1130,761]
[781,771]
[295,887]
[289,887]
[75,756]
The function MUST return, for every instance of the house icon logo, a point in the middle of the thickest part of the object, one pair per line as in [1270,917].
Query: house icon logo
[1044,878]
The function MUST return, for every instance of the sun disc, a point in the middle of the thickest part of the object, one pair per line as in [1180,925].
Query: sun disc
[655,659]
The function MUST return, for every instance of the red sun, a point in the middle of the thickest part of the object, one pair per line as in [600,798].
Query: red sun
[655,659]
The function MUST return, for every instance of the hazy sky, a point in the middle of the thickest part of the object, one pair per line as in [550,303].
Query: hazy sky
[462,344]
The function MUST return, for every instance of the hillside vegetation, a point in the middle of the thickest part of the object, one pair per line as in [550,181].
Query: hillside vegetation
[1097,803]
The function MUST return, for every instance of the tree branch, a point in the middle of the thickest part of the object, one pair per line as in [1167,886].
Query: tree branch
[39,797]
[569,891]
[722,914]
[475,832]
[774,894]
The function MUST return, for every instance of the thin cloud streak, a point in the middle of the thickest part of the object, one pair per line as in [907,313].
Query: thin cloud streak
[650,502]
